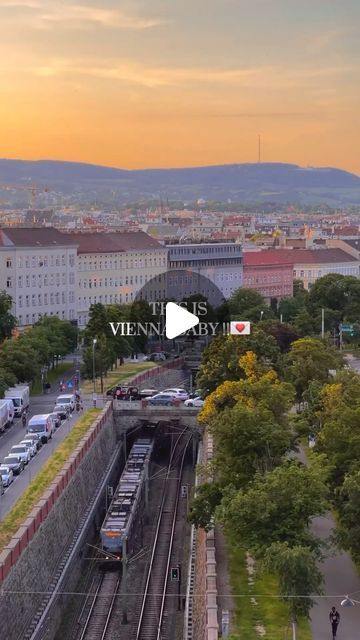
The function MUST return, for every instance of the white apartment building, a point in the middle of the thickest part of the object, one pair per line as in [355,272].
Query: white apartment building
[207,264]
[38,269]
[114,267]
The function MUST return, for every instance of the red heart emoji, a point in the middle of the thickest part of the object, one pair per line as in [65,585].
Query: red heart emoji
[240,326]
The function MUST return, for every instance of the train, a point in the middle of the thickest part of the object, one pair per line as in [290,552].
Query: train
[122,524]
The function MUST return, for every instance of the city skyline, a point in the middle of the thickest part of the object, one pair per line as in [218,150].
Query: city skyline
[134,85]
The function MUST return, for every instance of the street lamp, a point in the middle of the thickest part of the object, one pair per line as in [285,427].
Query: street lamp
[94,343]
[261,315]
[348,602]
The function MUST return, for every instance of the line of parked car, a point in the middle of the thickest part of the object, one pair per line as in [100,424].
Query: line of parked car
[39,431]
[172,397]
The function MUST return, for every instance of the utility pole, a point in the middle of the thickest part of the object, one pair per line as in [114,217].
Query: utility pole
[322,323]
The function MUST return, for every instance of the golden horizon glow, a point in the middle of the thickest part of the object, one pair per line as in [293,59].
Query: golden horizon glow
[133,85]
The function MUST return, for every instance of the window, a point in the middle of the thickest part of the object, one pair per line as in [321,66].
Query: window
[33,280]
[33,261]
[20,262]
[27,301]
[63,297]
[9,263]
[57,261]
[33,300]
[51,298]
[27,262]
[20,301]
[20,320]
[71,260]
[63,279]
[20,281]
[39,300]
[45,298]
[8,283]
[57,278]
[72,278]
[63,260]
[45,280]
[57,298]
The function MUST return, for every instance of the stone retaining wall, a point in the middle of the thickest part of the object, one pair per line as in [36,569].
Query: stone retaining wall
[205,605]
[30,560]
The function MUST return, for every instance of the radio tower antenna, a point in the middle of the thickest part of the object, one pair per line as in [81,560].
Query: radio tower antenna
[259,148]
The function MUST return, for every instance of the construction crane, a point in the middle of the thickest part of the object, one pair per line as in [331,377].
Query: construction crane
[33,189]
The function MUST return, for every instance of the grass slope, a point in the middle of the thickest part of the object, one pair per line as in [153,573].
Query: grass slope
[120,374]
[270,612]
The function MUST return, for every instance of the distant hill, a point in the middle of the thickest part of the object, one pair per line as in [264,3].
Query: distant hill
[265,182]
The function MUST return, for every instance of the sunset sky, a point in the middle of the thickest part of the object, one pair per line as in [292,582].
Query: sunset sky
[160,83]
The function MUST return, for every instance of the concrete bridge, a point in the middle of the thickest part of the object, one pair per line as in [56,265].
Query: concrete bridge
[126,414]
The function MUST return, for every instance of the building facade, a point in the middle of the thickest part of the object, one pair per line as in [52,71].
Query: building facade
[38,269]
[270,273]
[220,264]
[118,268]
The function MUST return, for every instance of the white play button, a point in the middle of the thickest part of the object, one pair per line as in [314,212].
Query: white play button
[178,320]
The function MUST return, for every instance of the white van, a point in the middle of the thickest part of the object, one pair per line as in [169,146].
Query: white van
[6,414]
[42,425]
[67,399]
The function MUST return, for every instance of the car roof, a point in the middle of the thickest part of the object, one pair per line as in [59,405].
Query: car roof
[4,466]
[12,455]
[42,416]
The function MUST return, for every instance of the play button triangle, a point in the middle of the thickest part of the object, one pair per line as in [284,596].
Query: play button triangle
[178,320]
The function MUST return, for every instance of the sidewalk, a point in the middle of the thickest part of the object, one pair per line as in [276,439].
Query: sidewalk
[340,578]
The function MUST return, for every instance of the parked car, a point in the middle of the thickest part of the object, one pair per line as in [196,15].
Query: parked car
[56,419]
[67,399]
[62,410]
[148,393]
[156,357]
[163,399]
[31,444]
[34,437]
[6,475]
[14,462]
[22,451]
[42,425]
[124,392]
[2,488]
[194,402]
[181,394]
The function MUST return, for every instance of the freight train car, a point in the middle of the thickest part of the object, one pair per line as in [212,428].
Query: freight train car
[121,528]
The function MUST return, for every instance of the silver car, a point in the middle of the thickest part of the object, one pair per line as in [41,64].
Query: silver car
[31,444]
[7,475]
[21,451]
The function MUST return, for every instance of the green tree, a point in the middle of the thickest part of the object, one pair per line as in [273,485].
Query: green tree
[7,379]
[276,507]
[20,360]
[220,361]
[7,320]
[340,297]
[248,304]
[203,506]
[299,576]
[309,359]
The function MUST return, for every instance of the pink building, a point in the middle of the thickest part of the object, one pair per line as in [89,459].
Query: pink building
[269,272]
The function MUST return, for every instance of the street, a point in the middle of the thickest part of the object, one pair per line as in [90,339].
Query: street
[38,404]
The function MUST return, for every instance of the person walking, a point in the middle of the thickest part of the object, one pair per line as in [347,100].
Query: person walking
[334,621]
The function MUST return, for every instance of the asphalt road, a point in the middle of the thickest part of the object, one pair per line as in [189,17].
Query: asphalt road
[12,436]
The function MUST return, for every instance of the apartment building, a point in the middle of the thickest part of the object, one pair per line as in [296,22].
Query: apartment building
[114,268]
[218,263]
[269,272]
[38,269]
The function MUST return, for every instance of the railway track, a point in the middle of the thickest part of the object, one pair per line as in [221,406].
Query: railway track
[154,599]
[101,608]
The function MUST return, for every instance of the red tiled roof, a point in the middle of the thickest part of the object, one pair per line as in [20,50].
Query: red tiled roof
[114,242]
[300,256]
[33,237]
[263,258]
